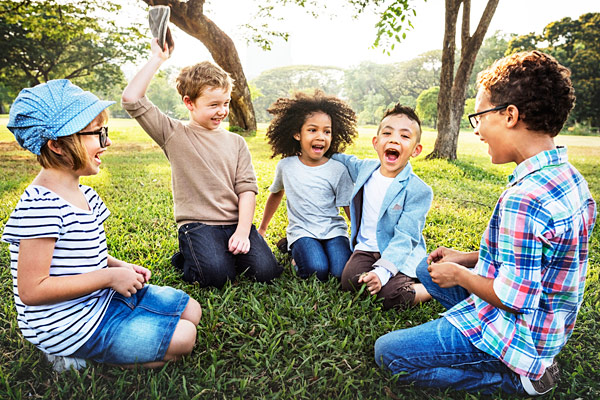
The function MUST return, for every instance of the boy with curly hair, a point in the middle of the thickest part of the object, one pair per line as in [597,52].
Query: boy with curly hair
[511,305]
[214,186]
[387,212]
[305,131]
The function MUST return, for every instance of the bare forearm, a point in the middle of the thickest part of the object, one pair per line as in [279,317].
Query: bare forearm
[246,207]
[55,289]
[271,206]
[482,287]
[136,89]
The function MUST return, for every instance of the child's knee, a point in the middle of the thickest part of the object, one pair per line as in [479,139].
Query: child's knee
[192,312]
[182,341]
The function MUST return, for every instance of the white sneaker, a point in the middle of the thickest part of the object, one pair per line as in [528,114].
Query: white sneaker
[61,364]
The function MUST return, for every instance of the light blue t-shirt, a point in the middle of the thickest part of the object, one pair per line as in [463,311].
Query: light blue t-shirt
[314,195]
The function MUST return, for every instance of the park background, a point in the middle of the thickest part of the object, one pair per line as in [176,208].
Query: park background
[292,339]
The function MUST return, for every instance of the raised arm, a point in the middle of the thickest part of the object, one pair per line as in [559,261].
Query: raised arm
[136,89]
[271,206]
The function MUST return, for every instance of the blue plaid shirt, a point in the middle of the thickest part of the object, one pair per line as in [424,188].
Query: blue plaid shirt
[536,249]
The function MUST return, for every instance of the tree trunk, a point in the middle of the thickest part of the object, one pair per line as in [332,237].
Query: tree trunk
[453,87]
[189,17]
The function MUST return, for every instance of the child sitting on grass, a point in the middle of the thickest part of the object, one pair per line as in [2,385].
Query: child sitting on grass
[214,186]
[306,130]
[512,305]
[74,301]
[388,209]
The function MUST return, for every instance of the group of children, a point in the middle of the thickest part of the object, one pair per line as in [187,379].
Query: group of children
[511,306]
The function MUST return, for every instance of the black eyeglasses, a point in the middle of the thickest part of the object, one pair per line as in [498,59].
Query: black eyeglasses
[102,135]
[474,118]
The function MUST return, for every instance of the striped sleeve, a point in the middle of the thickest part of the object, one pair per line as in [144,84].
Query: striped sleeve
[38,214]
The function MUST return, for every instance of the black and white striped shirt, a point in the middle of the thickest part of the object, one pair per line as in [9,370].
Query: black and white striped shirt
[80,247]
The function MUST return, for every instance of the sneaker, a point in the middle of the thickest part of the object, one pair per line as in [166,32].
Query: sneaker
[61,364]
[282,246]
[177,261]
[547,382]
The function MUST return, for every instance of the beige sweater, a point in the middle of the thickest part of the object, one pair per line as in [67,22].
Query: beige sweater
[209,169]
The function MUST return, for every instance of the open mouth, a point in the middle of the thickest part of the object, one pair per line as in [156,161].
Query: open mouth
[318,148]
[391,155]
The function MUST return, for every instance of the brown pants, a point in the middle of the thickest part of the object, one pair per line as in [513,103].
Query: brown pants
[397,293]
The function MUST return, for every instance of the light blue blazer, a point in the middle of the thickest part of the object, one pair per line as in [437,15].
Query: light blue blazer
[401,218]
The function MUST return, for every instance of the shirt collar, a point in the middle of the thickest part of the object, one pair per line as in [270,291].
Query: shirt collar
[541,160]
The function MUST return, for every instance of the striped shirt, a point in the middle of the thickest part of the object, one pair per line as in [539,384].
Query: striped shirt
[80,247]
[536,249]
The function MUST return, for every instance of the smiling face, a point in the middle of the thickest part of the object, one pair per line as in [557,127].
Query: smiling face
[314,138]
[491,129]
[91,143]
[211,108]
[395,143]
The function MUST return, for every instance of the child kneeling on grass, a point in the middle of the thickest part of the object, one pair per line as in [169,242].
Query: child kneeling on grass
[306,130]
[387,214]
[75,301]
[511,306]
[214,185]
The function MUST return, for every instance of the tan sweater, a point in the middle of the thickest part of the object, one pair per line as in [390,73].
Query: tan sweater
[209,169]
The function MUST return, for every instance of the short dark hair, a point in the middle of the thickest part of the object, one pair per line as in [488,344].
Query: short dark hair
[289,114]
[399,109]
[536,84]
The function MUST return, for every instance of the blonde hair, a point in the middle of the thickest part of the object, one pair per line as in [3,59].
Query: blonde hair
[73,153]
[193,80]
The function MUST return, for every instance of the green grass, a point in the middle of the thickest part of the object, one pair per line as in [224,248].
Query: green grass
[294,339]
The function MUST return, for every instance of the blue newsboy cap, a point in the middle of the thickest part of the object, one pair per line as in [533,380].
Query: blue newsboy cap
[51,110]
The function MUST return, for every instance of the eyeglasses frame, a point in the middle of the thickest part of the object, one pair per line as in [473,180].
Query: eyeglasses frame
[102,135]
[497,108]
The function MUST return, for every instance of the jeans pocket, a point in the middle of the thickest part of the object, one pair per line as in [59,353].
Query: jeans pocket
[192,271]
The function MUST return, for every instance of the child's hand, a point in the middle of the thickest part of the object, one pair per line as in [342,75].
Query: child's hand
[372,281]
[145,272]
[239,243]
[126,281]
[262,231]
[163,54]
[445,274]
[444,254]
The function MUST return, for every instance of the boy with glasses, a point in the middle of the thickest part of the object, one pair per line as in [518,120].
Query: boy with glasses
[512,305]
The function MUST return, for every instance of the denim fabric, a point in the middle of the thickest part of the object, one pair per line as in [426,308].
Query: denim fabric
[437,354]
[448,297]
[320,257]
[208,261]
[136,329]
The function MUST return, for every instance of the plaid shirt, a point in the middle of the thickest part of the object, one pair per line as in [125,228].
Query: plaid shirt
[536,249]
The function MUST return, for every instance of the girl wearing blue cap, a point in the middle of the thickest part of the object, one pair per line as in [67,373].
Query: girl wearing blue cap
[75,301]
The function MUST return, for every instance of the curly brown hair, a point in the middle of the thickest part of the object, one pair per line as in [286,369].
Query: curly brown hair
[536,84]
[291,113]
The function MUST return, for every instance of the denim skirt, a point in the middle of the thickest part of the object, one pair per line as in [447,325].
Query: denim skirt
[136,329]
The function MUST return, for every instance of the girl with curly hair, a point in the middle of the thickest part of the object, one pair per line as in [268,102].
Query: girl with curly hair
[305,131]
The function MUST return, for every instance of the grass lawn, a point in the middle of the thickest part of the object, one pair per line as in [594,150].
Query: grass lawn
[294,339]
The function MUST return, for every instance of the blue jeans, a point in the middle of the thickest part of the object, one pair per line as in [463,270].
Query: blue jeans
[136,329]
[208,261]
[436,354]
[320,257]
